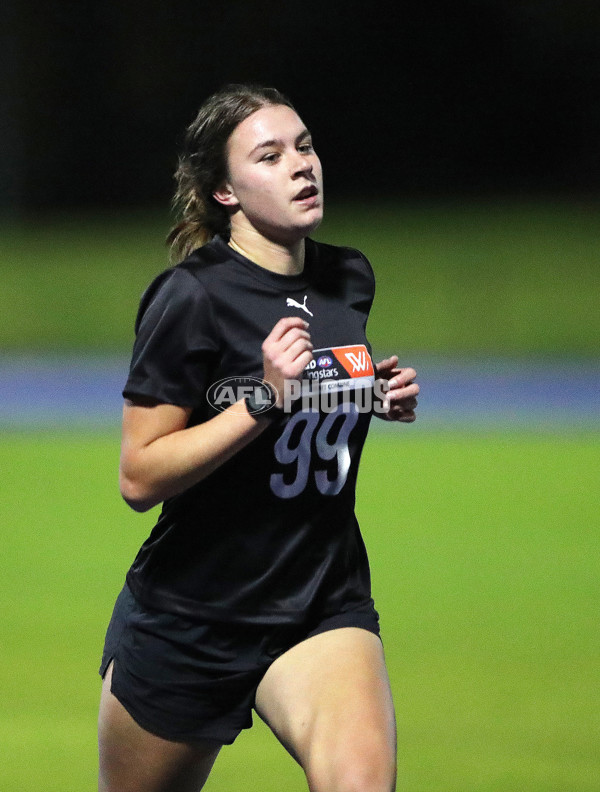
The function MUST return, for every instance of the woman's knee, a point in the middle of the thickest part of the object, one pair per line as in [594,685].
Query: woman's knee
[368,766]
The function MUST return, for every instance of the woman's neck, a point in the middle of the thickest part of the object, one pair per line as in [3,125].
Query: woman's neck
[279,258]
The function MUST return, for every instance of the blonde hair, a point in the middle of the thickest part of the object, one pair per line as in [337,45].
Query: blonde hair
[202,165]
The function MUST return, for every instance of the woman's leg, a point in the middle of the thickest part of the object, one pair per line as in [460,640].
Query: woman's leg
[328,700]
[133,760]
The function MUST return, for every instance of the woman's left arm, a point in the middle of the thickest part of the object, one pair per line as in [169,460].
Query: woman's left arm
[400,399]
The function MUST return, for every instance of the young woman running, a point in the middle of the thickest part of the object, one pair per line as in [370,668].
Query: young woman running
[253,588]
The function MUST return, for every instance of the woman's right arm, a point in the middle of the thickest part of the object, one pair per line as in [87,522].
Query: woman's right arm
[161,456]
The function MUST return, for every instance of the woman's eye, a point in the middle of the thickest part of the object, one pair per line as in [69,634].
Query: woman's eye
[270,157]
[305,148]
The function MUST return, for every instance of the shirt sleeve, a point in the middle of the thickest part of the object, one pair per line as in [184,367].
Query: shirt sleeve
[176,341]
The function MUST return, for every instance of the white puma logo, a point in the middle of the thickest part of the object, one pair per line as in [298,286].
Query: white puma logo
[293,304]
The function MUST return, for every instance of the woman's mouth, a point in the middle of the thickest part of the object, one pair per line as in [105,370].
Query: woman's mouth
[310,191]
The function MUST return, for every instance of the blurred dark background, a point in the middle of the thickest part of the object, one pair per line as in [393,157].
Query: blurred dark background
[404,99]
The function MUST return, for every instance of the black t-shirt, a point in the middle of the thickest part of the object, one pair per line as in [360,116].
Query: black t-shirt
[271,535]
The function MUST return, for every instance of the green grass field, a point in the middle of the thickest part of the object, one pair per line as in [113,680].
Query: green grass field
[486,564]
[484,545]
[511,278]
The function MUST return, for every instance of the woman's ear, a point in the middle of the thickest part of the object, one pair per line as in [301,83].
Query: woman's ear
[224,195]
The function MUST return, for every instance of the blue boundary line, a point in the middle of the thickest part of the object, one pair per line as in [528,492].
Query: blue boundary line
[61,392]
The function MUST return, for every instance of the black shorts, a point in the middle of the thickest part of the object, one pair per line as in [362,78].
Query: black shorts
[188,681]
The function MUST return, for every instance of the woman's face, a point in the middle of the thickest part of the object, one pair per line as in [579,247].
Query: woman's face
[275,181]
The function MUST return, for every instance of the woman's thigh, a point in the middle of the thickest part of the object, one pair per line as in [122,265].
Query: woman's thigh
[328,700]
[134,760]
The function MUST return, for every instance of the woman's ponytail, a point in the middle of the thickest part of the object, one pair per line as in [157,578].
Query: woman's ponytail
[200,218]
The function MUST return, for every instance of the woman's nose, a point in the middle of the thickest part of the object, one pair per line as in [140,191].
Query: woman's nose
[302,163]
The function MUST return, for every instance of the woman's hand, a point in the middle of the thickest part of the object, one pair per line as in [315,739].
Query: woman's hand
[400,400]
[287,351]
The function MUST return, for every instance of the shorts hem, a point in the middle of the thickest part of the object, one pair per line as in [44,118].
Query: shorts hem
[222,737]
[363,619]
